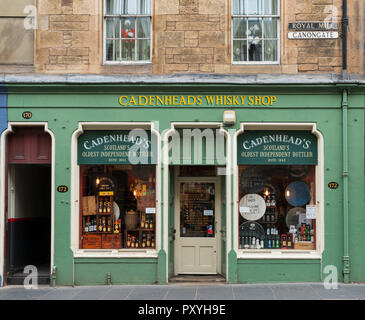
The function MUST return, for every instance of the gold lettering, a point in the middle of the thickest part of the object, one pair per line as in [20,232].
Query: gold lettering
[132,101]
[121,99]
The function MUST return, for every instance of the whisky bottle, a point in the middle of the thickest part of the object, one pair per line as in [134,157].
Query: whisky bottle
[104,225]
[142,220]
[269,242]
[148,242]
[273,199]
[253,243]
[109,225]
[289,240]
[100,226]
[283,241]
[128,241]
[100,205]
[153,241]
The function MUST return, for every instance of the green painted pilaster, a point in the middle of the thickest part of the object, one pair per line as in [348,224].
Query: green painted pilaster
[232,256]
[345,178]
[62,129]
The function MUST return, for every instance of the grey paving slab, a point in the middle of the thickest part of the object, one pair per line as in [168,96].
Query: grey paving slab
[92,293]
[117,293]
[148,293]
[333,294]
[23,294]
[301,291]
[62,293]
[181,293]
[294,292]
[216,293]
[356,290]
[253,292]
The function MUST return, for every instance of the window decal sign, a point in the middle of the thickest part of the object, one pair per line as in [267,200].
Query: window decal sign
[136,146]
[277,147]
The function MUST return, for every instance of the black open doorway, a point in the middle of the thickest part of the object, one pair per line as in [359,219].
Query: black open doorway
[28,207]
[29,222]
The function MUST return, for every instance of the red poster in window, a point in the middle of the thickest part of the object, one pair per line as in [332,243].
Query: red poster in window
[128,35]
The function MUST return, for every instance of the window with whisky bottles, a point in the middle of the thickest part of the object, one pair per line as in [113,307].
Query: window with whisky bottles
[277,207]
[118,207]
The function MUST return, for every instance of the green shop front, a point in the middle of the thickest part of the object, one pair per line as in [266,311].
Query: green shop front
[149,181]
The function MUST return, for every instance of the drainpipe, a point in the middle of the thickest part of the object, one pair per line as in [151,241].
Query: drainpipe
[344,22]
[345,178]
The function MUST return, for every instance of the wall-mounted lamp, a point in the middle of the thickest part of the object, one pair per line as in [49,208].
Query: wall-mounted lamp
[229,117]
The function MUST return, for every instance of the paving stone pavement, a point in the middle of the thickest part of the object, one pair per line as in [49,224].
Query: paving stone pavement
[190,291]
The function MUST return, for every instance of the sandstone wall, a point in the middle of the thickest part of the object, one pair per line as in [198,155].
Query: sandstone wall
[191,36]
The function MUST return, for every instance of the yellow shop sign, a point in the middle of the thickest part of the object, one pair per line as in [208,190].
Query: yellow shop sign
[192,101]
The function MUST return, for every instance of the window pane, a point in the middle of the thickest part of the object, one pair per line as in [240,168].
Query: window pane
[239,50]
[254,7]
[129,7]
[271,50]
[128,28]
[255,50]
[144,6]
[113,28]
[271,7]
[16,43]
[143,28]
[270,28]
[197,209]
[128,49]
[112,50]
[120,211]
[143,50]
[112,6]
[239,7]
[254,28]
[239,28]
[278,196]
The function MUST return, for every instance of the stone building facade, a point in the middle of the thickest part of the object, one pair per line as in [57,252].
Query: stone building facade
[68,75]
[188,36]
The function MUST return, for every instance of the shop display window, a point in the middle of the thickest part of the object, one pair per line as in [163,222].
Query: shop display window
[277,207]
[118,207]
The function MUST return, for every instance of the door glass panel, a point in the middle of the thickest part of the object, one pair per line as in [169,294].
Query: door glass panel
[197,209]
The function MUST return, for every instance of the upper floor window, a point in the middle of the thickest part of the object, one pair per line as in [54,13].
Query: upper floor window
[17,25]
[255,31]
[127,30]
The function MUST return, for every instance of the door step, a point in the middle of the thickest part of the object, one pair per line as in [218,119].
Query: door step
[198,278]
[19,280]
